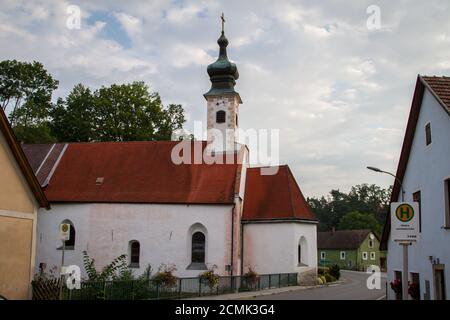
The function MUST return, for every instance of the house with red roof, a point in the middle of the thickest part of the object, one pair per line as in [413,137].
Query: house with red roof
[423,174]
[135,198]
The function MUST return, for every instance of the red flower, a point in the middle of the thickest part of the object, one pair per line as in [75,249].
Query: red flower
[396,285]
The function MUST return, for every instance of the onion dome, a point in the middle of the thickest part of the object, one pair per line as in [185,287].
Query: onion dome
[223,73]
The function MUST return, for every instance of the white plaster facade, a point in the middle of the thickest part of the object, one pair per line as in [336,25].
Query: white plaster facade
[163,231]
[272,247]
[428,167]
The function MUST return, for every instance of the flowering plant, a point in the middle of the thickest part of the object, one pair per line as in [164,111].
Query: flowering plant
[413,290]
[165,276]
[251,276]
[396,285]
[210,277]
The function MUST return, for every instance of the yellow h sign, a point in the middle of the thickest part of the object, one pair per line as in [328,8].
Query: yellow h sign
[404,212]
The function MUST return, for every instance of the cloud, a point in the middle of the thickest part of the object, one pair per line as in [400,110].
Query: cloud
[184,55]
[131,24]
[338,92]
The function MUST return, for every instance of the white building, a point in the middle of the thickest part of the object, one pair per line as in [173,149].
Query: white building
[424,169]
[132,198]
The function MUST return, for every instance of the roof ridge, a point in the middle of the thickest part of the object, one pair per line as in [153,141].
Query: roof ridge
[24,165]
[290,191]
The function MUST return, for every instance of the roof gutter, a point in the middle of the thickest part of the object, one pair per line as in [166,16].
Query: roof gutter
[233,210]
[280,220]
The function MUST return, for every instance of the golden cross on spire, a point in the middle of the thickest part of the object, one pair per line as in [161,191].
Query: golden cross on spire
[222,17]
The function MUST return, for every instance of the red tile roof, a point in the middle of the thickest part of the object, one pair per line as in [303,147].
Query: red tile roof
[137,172]
[440,88]
[342,239]
[273,197]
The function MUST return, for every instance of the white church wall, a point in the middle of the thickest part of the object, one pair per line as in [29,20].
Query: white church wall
[273,247]
[104,231]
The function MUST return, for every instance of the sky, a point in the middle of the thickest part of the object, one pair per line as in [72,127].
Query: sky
[339,90]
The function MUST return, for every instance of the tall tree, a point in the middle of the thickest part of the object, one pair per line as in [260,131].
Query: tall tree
[370,199]
[129,112]
[73,118]
[28,88]
[356,220]
[122,112]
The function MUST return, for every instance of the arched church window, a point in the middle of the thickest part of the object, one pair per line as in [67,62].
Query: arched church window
[237,124]
[220,116]
[198,247]
[302,253]
[69,244]
[134,253]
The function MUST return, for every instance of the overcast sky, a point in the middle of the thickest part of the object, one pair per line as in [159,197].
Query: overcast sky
[339,93]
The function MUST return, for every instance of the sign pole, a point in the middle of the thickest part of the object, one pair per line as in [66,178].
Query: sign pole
[405,270]
[62,266]
[405,231]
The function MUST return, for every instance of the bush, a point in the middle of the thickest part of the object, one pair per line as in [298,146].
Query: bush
[329,278]
[319,281]
[251,276]
[210,277]
[165,277]
[322,271]
[335,271]
[324,280]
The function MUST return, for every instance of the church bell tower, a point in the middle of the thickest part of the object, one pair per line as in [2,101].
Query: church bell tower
[222,100]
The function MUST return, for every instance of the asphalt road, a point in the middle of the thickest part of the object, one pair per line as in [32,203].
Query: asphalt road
[353,288]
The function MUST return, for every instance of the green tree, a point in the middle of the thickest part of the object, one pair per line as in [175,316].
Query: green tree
[363,198]
[72,118]
[356,220]
[28,88]
[130,112]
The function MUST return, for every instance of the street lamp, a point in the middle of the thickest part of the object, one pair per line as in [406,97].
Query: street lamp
[404,244]
[391,174]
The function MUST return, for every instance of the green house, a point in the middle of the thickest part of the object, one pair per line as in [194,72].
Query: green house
[350,249]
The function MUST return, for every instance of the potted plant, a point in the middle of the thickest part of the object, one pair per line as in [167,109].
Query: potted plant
[165,277]
[413,290]
[251,278]
[210,277]
[396,286]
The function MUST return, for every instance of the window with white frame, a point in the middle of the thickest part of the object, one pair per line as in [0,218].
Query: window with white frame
[364,255]
[342,255]
[322,255]
[372,256]
[371,243]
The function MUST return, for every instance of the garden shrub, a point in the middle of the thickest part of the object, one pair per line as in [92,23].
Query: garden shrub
[335,271]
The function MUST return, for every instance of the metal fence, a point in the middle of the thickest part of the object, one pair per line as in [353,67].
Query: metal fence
[184,287]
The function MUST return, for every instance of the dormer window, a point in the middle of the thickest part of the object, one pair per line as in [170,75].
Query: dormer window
[428,133]
[220,116]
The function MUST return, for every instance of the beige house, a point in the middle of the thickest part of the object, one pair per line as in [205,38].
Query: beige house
[20,198]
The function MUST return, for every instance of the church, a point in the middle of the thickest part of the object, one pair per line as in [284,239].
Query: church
[132,198]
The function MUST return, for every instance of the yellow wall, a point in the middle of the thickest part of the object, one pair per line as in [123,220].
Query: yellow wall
[17,228]
[15,257]
[14,191]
